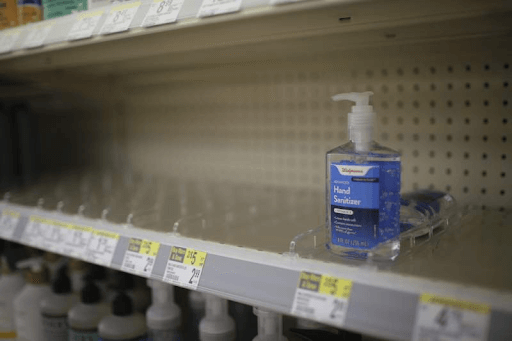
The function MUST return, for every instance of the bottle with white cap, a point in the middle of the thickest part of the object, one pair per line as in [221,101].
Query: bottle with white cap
[28,318]
[217,325]
[363,189]
[11,283]
[270,326]
[163,317]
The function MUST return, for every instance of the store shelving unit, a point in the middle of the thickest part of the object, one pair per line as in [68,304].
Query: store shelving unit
[245,98]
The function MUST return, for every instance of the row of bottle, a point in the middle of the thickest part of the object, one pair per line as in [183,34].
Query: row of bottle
[81,304]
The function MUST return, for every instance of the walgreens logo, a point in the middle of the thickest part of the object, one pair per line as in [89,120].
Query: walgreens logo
[353,170]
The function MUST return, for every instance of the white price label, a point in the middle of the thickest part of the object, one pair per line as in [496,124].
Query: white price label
[216,7]
[162,12]
[184,267]
[140,256]
[7,39]
[76,239]
[119,18]
[32,234]
[445,318]
[52,235]
[84,25]
[37,35]
[322,298]
[8,223]
[101,246]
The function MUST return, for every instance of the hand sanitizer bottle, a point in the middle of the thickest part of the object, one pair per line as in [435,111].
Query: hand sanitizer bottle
[363,189]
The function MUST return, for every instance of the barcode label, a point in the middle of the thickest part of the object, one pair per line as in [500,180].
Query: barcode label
[184,267]
[446,318]
[322,298]
[140,256]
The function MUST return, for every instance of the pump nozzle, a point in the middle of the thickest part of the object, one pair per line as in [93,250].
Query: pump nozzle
[360,120]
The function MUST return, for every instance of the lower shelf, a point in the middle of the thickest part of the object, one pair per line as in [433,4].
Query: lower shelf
[387,302]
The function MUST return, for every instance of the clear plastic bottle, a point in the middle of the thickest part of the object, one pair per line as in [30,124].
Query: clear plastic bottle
[363,189]
[84,318]
[55,308]
[26,304]
[217,325]
[11,284]
[163,317]
[124,324]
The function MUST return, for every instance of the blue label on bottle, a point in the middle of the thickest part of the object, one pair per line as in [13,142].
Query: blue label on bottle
[365,203]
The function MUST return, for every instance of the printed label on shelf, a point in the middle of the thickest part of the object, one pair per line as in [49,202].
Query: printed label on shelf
[184,267]
[445,318]
[101,247]
[162,12]
[140,256]
[75,240]
[7,39]
[37,35]
[8,222]
[322,298]
[119,18]
[216,7]
[85,25]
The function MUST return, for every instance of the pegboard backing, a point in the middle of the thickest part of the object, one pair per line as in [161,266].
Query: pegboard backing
[445,105]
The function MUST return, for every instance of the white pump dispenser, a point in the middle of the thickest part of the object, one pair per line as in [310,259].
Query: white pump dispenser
[360,120]
[217,325]
[270,326]
[163,317]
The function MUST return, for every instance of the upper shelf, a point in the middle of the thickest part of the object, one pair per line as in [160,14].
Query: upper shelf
[254,31]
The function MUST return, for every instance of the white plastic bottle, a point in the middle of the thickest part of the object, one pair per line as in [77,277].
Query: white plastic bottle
[11,283]
[217,325]
[270,326]
[26,304]
[363,189]
[84,318]
[55,308]
[163,317]
[124,324]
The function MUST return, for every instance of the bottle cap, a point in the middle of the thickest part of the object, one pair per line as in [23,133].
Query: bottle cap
[62,283]
[122,305]
[90,294]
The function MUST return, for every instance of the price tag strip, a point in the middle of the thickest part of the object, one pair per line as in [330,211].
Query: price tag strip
[280,2]
[162,12]
[216,7]
[140,256]
[75,240]
[37,35]
[322,298]
[101,246]
[34,233]
[7,39]
[84,25]
[445,318]
[119,18]
[8,223]
[184,267]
